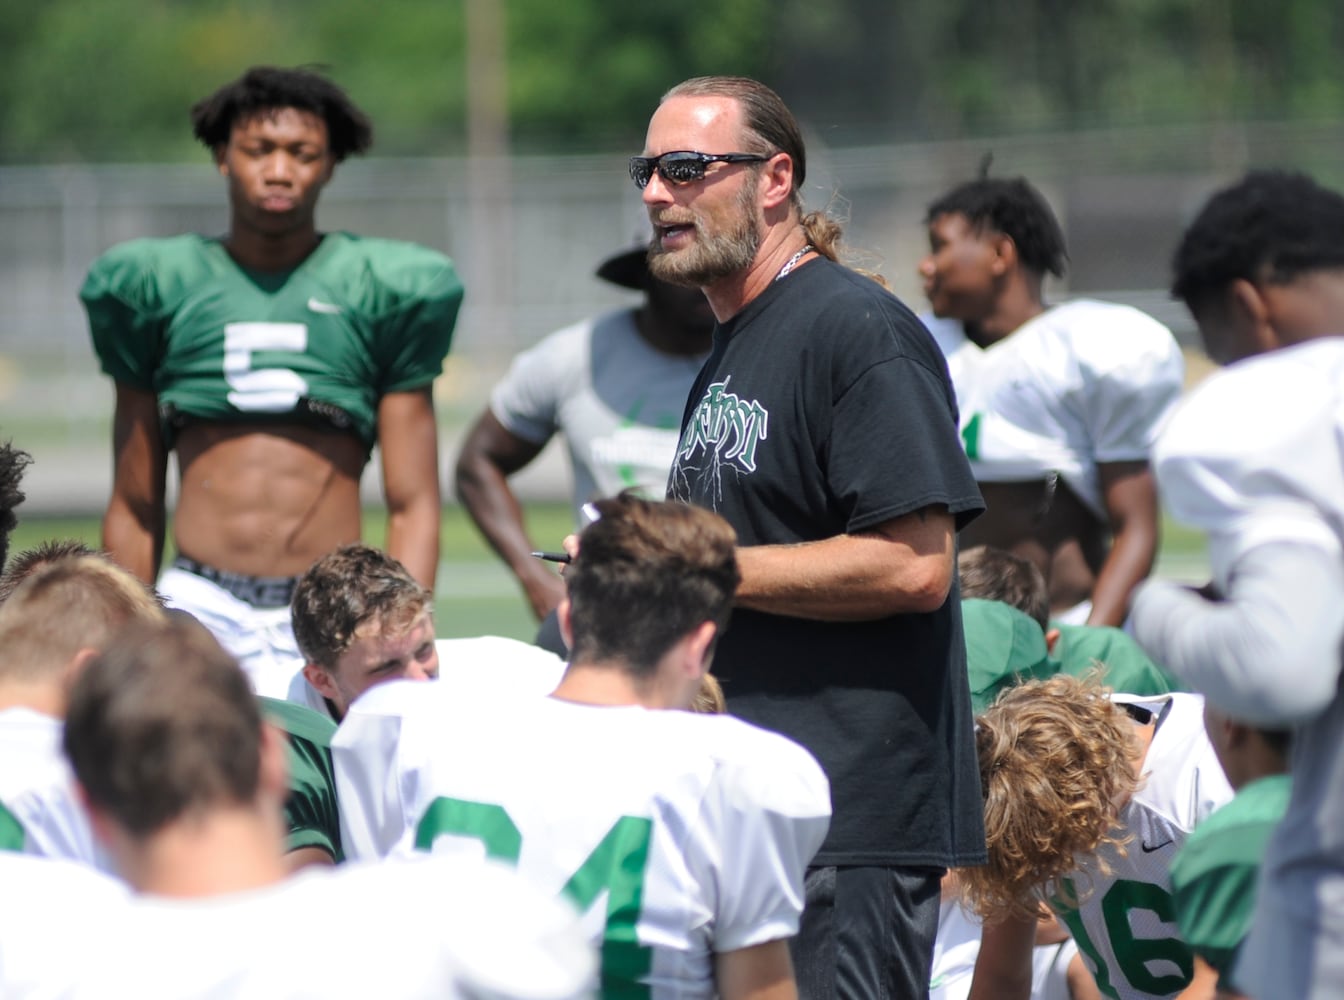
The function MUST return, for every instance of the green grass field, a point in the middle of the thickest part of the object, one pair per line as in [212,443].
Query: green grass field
[476,595]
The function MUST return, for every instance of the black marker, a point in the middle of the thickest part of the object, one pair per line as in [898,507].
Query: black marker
[557,557]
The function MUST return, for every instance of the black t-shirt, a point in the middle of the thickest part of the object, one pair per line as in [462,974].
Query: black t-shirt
[825,408]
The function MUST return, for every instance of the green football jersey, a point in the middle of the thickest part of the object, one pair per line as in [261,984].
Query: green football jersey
[358,319]
[11,833]
[310,807]
[1213,878]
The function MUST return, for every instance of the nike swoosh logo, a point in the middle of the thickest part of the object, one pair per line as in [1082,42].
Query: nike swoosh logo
[318,306]
[1149,849]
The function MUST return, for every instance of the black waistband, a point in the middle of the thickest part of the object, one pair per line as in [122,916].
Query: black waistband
[258,591]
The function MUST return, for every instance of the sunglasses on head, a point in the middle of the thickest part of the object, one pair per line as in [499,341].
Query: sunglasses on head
[683,166]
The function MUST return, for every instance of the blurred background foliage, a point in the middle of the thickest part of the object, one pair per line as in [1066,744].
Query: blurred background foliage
[109,80]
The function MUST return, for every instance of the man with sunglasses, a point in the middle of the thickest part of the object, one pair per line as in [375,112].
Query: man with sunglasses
[823,427]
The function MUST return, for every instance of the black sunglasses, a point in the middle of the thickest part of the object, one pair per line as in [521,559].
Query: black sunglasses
[683,166]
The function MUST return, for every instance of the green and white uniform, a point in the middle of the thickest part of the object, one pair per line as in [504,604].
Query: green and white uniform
[678,835]
[310,806]
[322,344]
[1214,877]
[360,318]
[1125,923]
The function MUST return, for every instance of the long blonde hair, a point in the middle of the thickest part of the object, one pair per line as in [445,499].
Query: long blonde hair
[1057,763]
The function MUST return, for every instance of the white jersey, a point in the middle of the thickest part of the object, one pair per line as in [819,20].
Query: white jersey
[1082,384]
[1255,457]
[51,912]
[433,927]
[1125,925]
[1248,480]
[37,789]
[679,835]
[617,400]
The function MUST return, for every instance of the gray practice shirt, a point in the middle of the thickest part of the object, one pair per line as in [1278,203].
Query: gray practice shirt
[617,401]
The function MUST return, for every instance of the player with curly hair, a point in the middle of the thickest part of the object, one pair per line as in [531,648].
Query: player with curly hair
[1088,797]
[360,618]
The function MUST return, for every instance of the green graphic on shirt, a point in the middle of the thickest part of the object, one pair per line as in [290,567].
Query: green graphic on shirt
[970,437]
[726,426]
[624,470]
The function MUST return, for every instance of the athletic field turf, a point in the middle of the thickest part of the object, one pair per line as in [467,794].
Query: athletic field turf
[476,595]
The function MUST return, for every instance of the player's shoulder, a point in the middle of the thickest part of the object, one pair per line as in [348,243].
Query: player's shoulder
[1237,833]
[753,767]
[298,720]
[1183,780]
[1300,386]
[397,269]
[1105,334]
[404,699]
[574,342]
[154,270]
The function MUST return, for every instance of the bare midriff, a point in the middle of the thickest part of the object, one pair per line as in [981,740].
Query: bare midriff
[266,501]
[1049,526]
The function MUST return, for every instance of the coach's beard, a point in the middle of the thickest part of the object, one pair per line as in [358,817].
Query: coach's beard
[710,256]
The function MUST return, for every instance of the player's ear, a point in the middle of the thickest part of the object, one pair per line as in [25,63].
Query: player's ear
[563,618]
[321,681]
[221,163]
[701,647]
[1246,302]
[1005,254]
[99,822]
[1051,639]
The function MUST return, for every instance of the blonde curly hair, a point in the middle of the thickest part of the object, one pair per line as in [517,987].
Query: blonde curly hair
[1057,762]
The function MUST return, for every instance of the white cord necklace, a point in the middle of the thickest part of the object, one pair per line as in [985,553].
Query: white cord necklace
[792,262]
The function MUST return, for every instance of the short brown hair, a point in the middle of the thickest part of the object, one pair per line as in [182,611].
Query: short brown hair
[69,604]
[163,724]
[997,575]
[647,573]
[345,589]
[1057,761]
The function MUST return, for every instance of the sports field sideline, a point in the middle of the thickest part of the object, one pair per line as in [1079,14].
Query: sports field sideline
[476,595]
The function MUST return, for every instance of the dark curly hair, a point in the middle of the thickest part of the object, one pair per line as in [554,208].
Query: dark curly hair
[1273,225]
[1013,207]
[12,463]
[267,88]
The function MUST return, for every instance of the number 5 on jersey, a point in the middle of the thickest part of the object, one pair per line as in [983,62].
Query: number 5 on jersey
[263,390]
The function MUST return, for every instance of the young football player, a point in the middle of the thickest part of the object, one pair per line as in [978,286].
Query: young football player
[1058,404]
[1253,457]
[184,783]
[1088,798]
[272,359]
[682,836]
